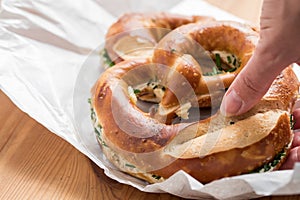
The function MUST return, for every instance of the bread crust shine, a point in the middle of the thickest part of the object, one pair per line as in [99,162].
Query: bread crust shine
[208,149]
[220,163]
[151,27]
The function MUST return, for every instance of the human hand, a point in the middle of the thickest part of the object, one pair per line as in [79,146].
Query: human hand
[294,155]
[277,48]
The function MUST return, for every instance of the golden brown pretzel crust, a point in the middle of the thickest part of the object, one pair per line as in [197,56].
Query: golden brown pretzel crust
[103,102]
[234,161]
[224,163]
[207,150]
[152,26]
[232,37]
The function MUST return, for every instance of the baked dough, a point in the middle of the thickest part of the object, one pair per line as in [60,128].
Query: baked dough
[136,34]
[138,143]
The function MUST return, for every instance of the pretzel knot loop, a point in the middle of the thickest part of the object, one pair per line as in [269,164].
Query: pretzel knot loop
[156,109]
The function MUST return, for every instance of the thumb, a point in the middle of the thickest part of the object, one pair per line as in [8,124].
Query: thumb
[251,84]
[276,49]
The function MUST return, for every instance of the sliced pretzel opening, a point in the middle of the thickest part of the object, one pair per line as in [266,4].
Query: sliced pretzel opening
[180,78]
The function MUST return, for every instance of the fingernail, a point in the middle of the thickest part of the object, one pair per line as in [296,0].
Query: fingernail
[231,104]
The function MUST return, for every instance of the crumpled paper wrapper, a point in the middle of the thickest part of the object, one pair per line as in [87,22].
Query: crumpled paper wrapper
[50,60]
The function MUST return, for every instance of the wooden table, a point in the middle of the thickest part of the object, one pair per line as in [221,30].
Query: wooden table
[37,164]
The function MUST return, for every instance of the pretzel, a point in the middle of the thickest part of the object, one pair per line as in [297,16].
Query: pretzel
[133,31]
[139,143]
[237,41]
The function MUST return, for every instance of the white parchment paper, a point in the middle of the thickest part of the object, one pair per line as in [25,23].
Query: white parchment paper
[50,59]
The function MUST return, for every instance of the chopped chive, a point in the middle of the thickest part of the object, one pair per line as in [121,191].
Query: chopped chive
[103,143]
[97,132]
[93,116]
[215,71]
[136,91]
[173,50]
[228,59]
[129,165]
[275,162]
[231,70]
[266,167]
[218,60]
[107,59]
[234,62]
[292,122]
[149,82]
[156,176]
[89,100]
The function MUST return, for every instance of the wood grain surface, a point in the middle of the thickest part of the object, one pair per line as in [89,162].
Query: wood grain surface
[37,164]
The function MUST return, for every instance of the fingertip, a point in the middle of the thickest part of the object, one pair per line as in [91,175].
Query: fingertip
[296,139]
[292,158]
[231,104]
[296,116]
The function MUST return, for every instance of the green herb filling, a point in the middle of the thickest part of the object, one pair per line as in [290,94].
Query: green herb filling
[156,176]
[107,59]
